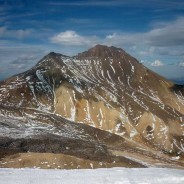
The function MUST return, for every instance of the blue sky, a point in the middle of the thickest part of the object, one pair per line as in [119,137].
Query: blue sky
[151,30]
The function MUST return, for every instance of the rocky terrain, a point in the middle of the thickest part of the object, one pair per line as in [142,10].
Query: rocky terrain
[101,108]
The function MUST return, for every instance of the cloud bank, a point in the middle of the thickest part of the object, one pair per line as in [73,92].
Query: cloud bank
[168,34]
[19,33]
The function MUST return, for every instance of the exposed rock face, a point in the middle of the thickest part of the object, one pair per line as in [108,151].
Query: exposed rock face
[105,88]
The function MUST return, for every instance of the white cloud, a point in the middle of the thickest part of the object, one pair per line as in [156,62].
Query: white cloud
[142,61]
[157,63]
[19,33]
[72,38]
[181,64]
[111,36]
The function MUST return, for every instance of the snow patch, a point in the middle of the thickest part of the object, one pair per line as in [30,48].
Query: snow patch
[92,176]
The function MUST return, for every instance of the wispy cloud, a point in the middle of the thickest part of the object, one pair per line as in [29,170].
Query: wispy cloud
[18,57]
[135,3]
[169,34]
[6,17]
[164,5]
[18,33]
[88,3]
[24,61]
[4,7]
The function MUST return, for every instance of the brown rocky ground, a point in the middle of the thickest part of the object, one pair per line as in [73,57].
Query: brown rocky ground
[60,161]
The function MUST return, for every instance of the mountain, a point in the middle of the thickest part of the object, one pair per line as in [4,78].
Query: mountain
[101,108]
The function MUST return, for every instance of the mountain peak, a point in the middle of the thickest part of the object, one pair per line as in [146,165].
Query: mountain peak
[102,51]
[51,108]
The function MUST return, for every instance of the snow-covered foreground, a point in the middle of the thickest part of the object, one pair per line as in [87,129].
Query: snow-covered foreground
[93,176]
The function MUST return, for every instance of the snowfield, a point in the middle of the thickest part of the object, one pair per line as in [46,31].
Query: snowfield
[92,176]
